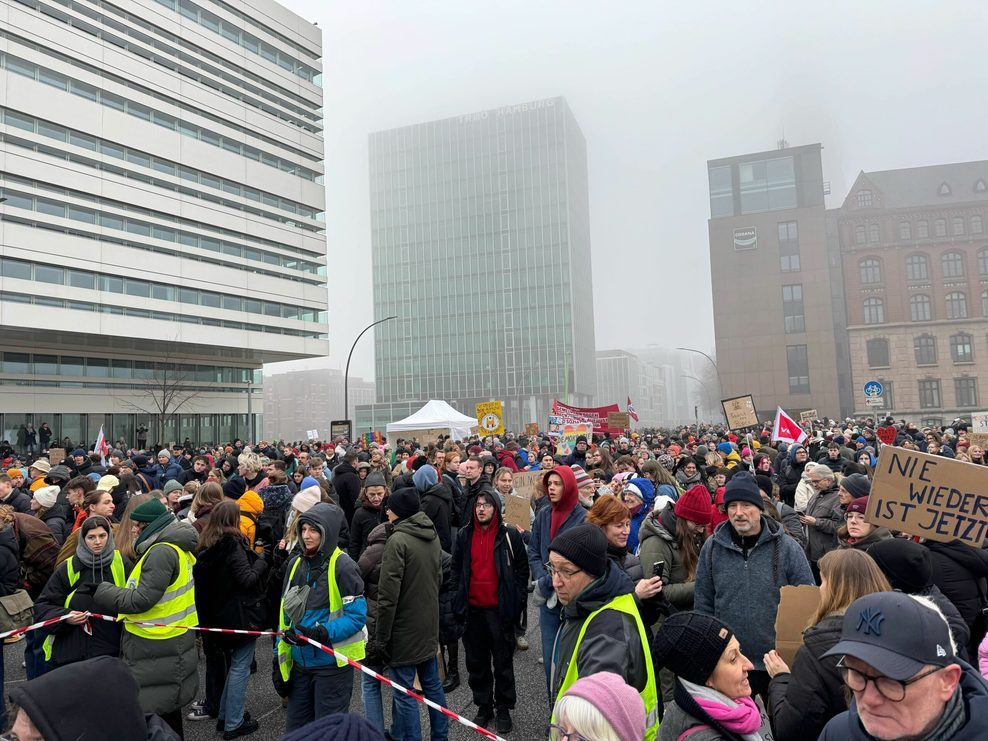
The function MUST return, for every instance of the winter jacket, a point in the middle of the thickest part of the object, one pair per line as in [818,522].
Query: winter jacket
[677,722]
[459,498]
[647,489]
[538,544]
[744,593]
[791,523]
[802,702]
[450,629]
[20,501]
[370,572]
[251,507]
[59,520]
[10,568]
[228,574]
[506,459]
[167,670]
[364,521]
[961,571]
[822,534]
[408,593]
[437,504]
[277,499]
[346,482]
[958,628]
[611,642]
[863,544]
[312,571]
[974,692]
[790,475]
[659,543]
[165,473]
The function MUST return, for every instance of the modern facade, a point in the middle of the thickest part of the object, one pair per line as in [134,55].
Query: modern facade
[775,275]
[298,401]
[622,375]
[481,249]
[161,233]
[915,258]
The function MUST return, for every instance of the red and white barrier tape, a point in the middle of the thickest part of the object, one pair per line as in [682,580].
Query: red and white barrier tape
[231,631]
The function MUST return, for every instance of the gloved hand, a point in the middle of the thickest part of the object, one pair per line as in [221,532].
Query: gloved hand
[281,687]
[316,632]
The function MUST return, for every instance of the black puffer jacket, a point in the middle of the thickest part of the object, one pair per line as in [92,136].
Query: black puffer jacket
[437,503]
[961,572]
[227,575]
[365,519]
[10,554]
[803,702]
[370,571]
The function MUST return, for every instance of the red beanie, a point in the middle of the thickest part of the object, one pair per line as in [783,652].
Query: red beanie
[694,505]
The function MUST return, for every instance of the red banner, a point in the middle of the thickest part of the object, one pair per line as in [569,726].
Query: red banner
[597,416]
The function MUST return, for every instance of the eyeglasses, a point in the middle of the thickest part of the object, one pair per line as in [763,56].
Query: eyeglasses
[483,505]
[558,733]
[893,690]
[561,573]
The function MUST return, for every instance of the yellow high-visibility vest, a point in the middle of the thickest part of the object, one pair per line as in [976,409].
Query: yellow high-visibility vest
[177,605]
[353,647]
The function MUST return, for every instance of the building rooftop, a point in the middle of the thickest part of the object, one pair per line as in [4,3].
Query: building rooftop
[932,185]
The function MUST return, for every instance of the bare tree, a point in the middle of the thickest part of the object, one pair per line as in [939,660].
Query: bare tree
[168,390]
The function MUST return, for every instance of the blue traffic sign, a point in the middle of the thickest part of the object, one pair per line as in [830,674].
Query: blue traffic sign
[873,389]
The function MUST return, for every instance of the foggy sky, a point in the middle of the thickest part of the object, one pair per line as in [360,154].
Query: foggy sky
[658,89]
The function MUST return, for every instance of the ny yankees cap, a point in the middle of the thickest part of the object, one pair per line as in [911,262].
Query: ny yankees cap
[895,634]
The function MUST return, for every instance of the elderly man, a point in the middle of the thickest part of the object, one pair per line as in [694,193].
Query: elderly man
[822,515]
[899,661]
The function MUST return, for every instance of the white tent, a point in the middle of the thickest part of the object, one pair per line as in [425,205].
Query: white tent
[436,415]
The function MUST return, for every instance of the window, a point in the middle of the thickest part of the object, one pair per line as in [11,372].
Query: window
[917,267]
[956,305]
[944,189]
[865,199]
[980,187]
[874,311]
[792,308]
[888,398]
[983,262]
[871,270]
[940,228]
[48,274]
[977,225]
[82,279]
[925,348]
[788,247]
[905,230]
[929,394]
[961,349]
[873,233]
[878,352]
[859,234]
[952,264]
[966,392]
[721,191]
[957,226]
[919,308]
[922,229]
[799,369]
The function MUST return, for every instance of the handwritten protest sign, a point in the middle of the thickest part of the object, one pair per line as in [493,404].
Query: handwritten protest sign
[930,496]
[56,455]
[518,507]
[740,412]
[796,607]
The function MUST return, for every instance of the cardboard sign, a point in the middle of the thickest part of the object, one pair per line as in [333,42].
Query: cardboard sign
[56,455]
[424,436]
[618,420]
[979,423]
[809,414]
[796,607]
[930,496]
[532,429]
[490,418]
[978,438]
[740,412]
[528,484]
[518,507]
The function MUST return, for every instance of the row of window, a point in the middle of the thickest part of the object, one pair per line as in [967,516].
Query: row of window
[247,40]
[921,307]
[85,279]
[965,393]
[918,266]
[924,350]
[140,49]
[958,227]
[798,363]
[866,199]
[25,298]
[160,118]
[167,167]
[72,365]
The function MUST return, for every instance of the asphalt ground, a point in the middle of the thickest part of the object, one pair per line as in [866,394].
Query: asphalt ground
[531,715]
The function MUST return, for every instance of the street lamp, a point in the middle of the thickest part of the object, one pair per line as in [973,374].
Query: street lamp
[706,393]
[720,383]
[346,374]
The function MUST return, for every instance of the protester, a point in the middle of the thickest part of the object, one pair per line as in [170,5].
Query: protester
[599,707]
[612,517]
[857,532]
[437,504]
[822,515]
[370,572]
[369,515]
[961,573]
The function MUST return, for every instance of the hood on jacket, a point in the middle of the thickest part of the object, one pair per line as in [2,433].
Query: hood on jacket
[378,535]
[493,499]
[425,478]
[327,519]
[648,492]
[275,496]
[417,524]
[251,503]
[793,449]
[571,492]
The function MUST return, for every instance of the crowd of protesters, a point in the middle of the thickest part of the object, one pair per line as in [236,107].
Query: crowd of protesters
[655,562]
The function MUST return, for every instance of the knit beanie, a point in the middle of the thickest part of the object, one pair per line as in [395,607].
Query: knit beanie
[858,505]
[79,452]
[232,489]
[906,564]
[425,478]
[307,482]
[764,484]
[580,474]
[148,511]
[173,485]
[694,505]
[336,727]
[725,448]
[305,499]
[666,461]
[47,495]
[620,705]
[14,472]
[404,502]
[857,485]
[690,645]
[742,488]
[585,545]
[375,478]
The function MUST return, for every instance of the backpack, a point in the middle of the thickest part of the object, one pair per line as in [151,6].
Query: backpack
[39,551]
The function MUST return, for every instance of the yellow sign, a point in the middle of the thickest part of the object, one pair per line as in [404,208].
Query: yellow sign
[490,418]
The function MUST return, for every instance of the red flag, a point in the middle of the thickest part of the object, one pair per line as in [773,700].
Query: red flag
[787,429]
[631,410]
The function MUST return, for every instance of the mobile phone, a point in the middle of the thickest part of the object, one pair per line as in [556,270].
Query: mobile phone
[658,568]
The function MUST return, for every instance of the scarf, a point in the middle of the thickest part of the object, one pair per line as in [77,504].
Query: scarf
[740,718]
[951,721]
[100,560]
[156,526]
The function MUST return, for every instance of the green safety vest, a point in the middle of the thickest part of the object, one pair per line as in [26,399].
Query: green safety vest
[119,578]
[353,647]
[177,605]
[626,604]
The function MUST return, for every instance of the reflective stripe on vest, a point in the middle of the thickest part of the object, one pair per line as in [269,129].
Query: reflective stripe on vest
[353,647]
[626,604]
[177,605]
[119,579]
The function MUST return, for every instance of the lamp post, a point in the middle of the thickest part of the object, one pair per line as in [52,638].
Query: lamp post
[706,393]
[346,373]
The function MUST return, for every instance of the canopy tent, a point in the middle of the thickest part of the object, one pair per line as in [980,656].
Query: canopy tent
[436,415]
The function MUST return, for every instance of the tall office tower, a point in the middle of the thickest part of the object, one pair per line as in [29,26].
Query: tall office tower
[481,249]
[161,232]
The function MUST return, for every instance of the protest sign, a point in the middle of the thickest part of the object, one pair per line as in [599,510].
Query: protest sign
[929,496]
[424,436]
[518,506]
[740,412]
[618,420]
[312,434]
[978,438]
[567,440]
[809,414]
[979,422]
[597,416]
[490,418]
[528,484]
[56,455]
[796,607]
[532,429]
[555,426]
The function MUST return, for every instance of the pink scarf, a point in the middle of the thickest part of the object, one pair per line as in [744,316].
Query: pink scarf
[743,718]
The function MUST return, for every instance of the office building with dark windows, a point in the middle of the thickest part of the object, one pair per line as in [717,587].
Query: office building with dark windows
[161,228]
[481,249]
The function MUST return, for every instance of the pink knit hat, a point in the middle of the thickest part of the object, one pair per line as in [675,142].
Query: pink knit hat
[619,704]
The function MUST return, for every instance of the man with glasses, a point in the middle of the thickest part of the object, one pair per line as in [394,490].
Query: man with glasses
[822,514]
[898,660]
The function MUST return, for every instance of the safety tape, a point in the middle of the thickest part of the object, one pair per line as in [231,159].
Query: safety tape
[232,631]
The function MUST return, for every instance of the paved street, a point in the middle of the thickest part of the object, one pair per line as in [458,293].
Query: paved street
[530,716]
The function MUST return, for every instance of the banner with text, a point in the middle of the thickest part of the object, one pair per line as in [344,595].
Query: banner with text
[596,416]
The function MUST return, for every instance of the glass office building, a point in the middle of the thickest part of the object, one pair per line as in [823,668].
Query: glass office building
[162,215]
[481,249]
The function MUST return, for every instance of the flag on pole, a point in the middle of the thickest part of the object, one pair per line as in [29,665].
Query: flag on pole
[787,429]
[631,410]
[101,447]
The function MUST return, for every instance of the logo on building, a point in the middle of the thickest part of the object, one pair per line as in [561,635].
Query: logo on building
[745,238]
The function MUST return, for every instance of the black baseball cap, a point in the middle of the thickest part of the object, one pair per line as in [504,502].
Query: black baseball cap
[895,634]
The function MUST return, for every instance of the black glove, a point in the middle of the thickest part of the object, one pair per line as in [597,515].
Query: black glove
[291,637]
[317,633]
[281,687]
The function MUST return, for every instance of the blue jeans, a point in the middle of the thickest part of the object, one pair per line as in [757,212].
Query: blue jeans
[370,692]
[406,722]
[549,622]
[231,710]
